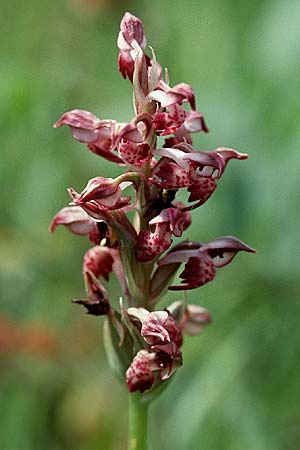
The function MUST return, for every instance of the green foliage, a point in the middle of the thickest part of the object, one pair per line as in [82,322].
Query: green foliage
[238,386]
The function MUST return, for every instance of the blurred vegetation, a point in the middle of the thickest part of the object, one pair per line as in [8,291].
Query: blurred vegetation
[240,384]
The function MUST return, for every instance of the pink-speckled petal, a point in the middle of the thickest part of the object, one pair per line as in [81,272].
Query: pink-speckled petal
[132,153]
[169,175]
[197,272]
[177,220]
[139,375]
[200,191]
[153,243]
[169,122]
[98,188]
[153,330]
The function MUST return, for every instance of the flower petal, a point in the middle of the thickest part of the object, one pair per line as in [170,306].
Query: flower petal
[228,154]
[194,319]
[224,249]
[83,124]
[98,260]
[197,272]
[135,154]
[100,194]
[171,96]
[153,329]
[131,29]
[98,303]
[194,122]
[106,153]
[186,91]
[139,375]
[201,190]
[169,122]
[177,220]
[74,218]
[169,175]
[79,118]
[153,243]
[99,188]
[202,259]
[98,307]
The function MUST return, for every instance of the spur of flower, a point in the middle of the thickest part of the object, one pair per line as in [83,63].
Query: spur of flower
[157,161]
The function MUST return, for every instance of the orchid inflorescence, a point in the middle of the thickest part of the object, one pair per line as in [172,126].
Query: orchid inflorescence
[144,344]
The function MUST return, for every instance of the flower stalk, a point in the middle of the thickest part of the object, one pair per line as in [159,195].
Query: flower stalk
[138,423]
[144,342]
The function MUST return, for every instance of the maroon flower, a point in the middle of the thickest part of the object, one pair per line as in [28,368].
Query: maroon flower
[160,328]
[169,122]
[178,221]
[157,327]
[98,260]
[132,153]
[193,123]
[195,317]
[85,126]
[98,303]
[167,96]
[116,133]
[139,375]
[168,358]
[131,33]
[105,136]
[183,166]
[100,195]
[99,188]
[77,221]
[163,334]
[202,259]
[153,243]
[158,239]
[171,117]
[101,261]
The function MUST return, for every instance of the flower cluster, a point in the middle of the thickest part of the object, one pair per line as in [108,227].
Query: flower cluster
[144,344]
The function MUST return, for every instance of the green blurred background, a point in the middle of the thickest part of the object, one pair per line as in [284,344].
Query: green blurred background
[239,388]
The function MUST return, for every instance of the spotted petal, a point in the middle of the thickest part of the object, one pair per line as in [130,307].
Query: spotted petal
[177,220]
[153,243]
[132,153]
[139,375]
[98,303]
[169,175]
[202,259]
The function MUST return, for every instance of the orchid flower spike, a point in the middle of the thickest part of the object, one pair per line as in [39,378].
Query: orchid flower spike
[136,221]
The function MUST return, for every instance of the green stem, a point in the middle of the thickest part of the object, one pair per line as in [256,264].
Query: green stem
[138,423]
